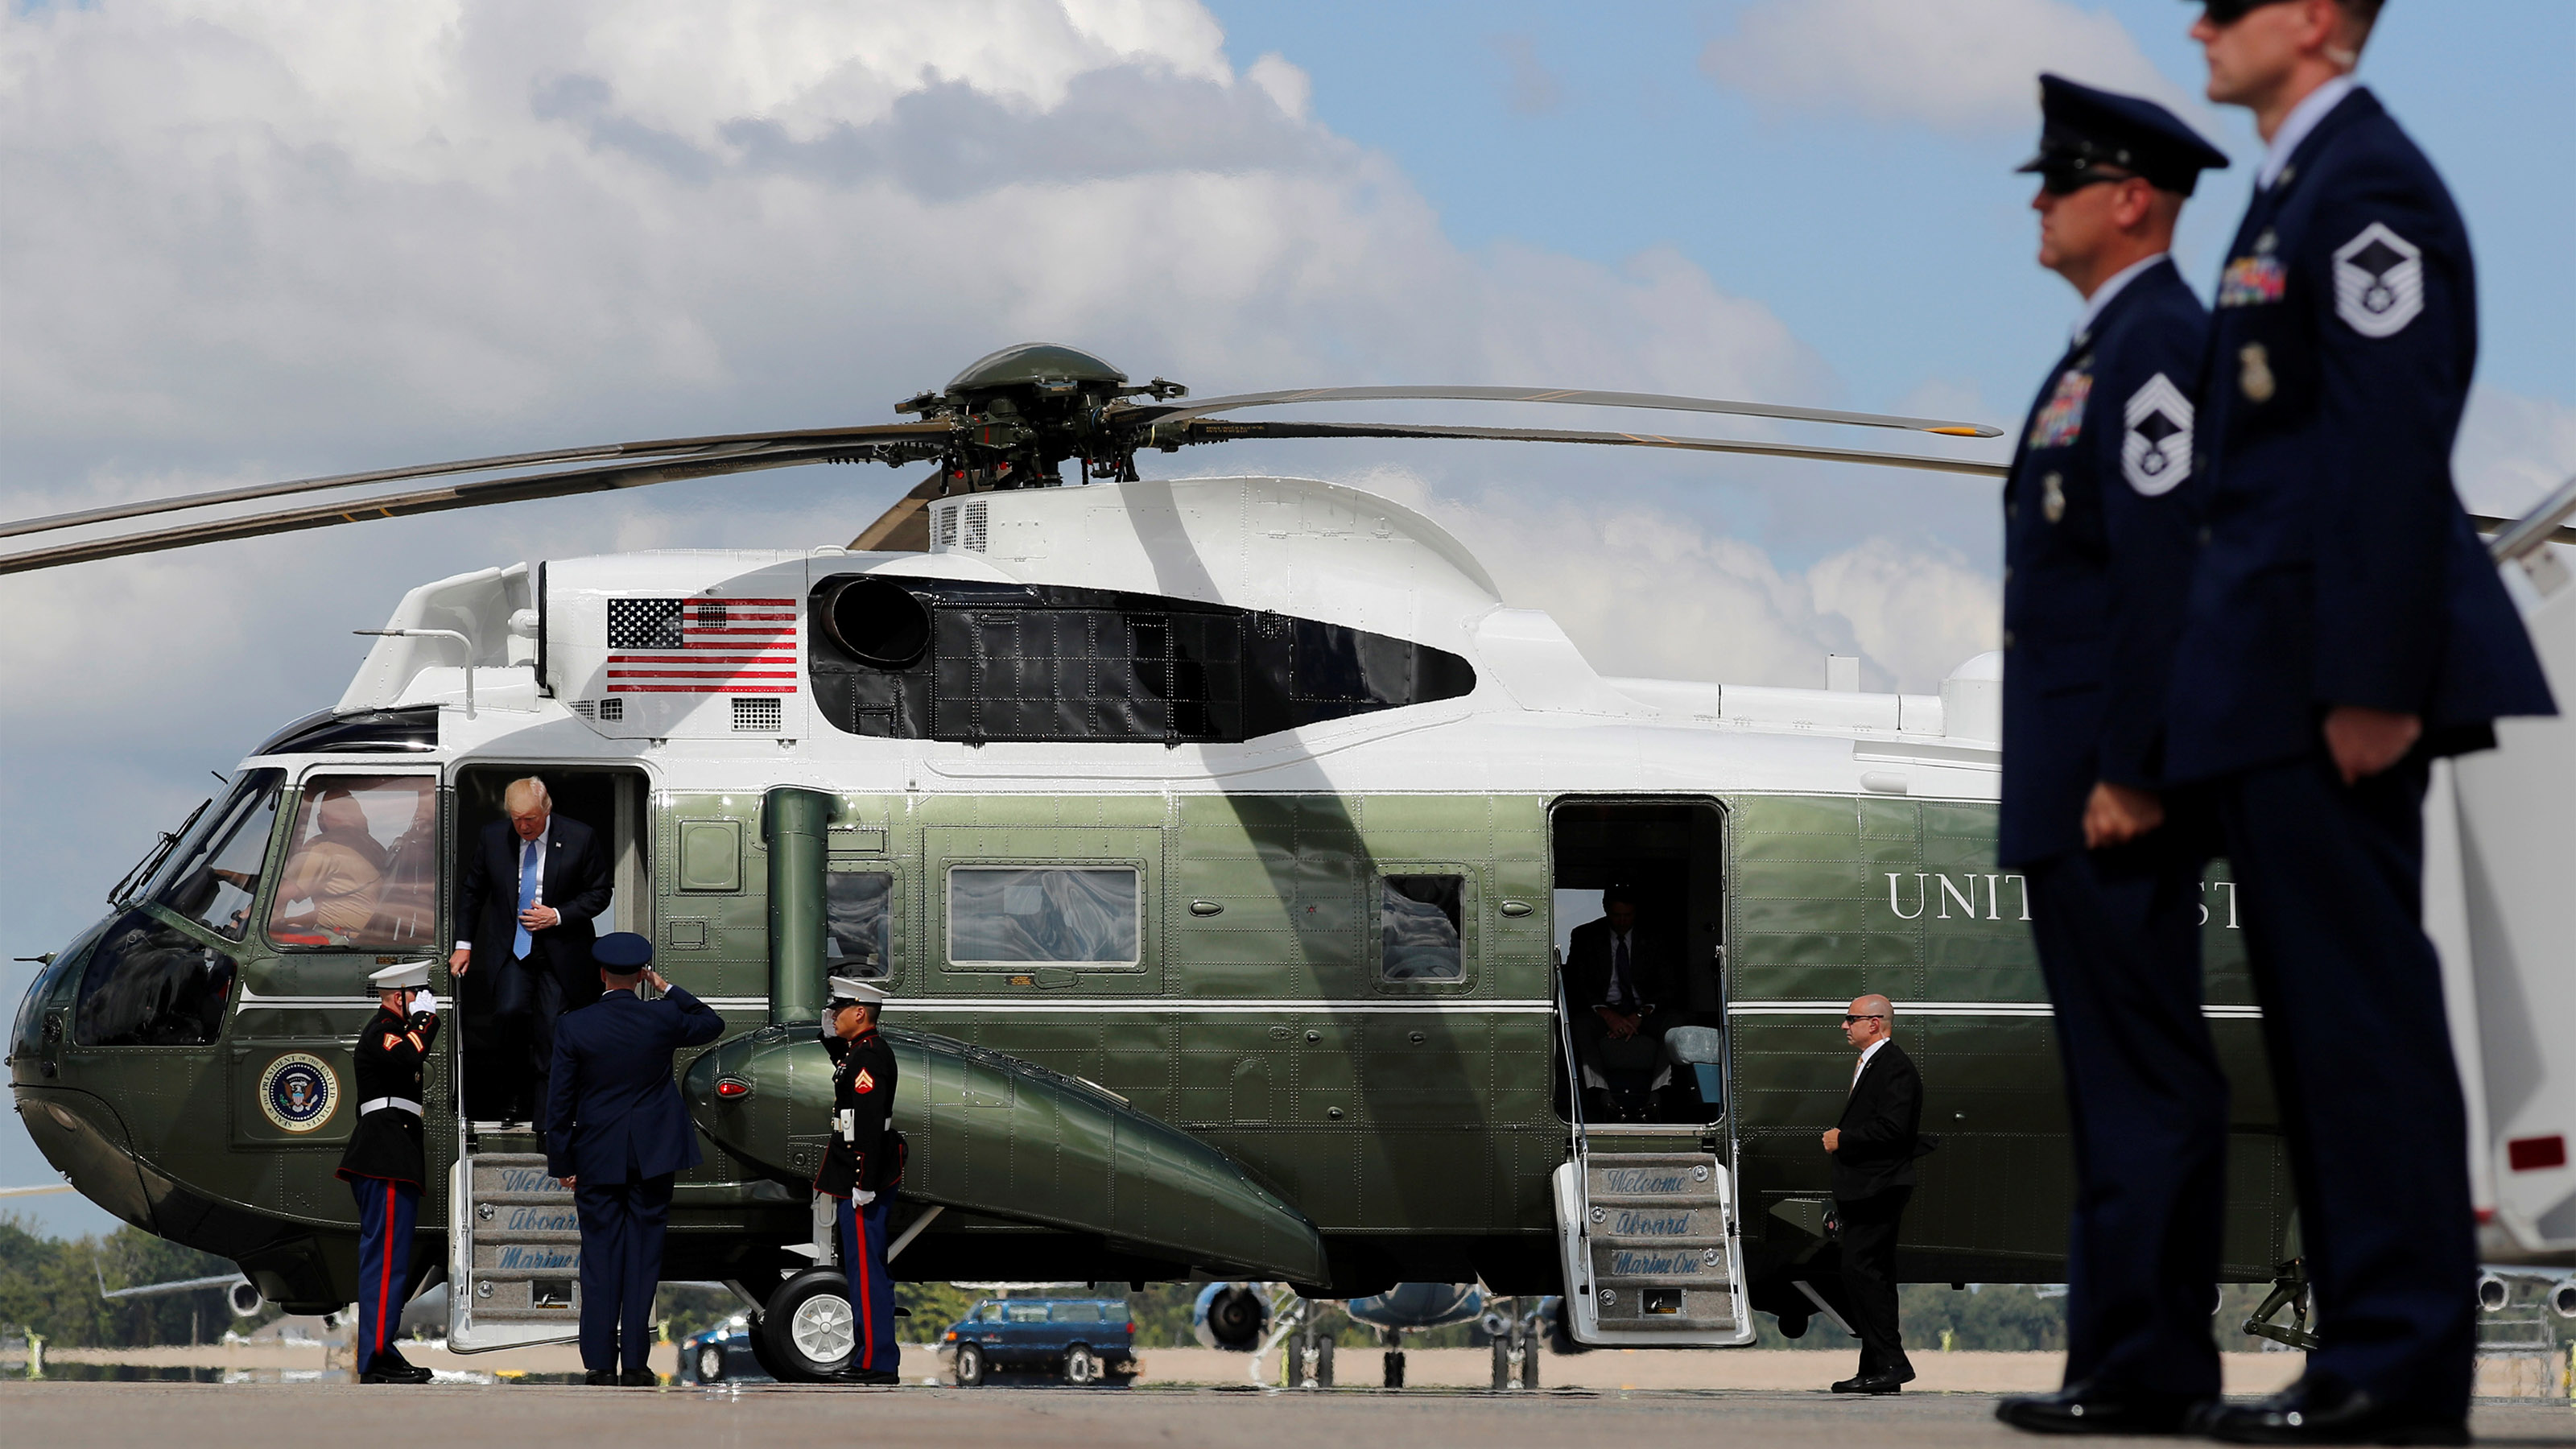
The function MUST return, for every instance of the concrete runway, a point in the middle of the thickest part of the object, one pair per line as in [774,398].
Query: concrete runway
[332,1416]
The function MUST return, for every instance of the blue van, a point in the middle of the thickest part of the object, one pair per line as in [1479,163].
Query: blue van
[1080,1340]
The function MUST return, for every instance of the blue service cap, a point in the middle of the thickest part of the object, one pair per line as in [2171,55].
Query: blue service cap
[2082,127]
[623,952]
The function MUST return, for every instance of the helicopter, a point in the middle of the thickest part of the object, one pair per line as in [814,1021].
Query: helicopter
[1216,837]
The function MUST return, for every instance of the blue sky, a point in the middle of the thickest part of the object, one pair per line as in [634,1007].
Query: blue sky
[303,237]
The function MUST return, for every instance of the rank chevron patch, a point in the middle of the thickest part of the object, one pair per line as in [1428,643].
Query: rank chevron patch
[2379,282]
[2155,452]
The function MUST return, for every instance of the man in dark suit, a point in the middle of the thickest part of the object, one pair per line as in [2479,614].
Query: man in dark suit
[529,890]
[2098,545]
[617,1134]
[2345,627]
[1873,1148]
[1623,986]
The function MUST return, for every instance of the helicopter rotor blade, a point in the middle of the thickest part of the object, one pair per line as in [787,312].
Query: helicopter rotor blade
[905,527]
[1213,432]
[439,500]
[712,444]
[1157,419]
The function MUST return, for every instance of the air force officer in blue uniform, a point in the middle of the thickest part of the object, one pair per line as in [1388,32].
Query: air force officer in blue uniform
[2345,628]
[2098,530]
[617,1134]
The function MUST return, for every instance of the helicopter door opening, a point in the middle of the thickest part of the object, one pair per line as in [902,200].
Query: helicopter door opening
[1647,1022]
[497,1038]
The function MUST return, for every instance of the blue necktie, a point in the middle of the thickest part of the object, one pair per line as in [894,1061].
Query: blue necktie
[528,861]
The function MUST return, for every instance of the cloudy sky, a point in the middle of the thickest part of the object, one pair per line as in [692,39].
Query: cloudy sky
[256,240]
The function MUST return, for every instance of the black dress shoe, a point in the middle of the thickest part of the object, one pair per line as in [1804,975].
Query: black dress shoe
[600,1378]
[2085,1409]
[395,1372]
[642,1378]
[870,1378]
[2321,1410]
[1872,1384]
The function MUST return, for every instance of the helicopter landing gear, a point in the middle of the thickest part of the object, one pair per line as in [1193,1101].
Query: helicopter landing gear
[1393,1359]
[2290,1291]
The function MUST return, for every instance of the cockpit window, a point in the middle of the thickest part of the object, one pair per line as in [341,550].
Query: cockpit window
[211,876]
[151,984]
[362,870]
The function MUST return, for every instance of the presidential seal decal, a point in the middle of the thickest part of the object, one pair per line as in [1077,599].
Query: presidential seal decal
[2379,282]
[298,1092]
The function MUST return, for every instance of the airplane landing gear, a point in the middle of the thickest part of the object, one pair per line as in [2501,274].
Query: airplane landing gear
[2289,1290]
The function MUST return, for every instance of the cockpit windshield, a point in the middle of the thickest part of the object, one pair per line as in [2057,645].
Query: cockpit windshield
[211,876]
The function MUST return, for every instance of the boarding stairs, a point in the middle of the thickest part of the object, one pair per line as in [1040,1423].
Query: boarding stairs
[515,1256]
[1649,1236]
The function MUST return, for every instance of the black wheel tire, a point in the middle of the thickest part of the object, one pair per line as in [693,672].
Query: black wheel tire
[1324,1364]
[1529,1358]
[970,1368]
[711,1364]
[1502,1346]
[1081,1366]
[796,1343]
[1395,1368]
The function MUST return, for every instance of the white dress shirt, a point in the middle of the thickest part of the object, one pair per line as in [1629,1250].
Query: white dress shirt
[2295,127]
[1862,1065]
[2103,294]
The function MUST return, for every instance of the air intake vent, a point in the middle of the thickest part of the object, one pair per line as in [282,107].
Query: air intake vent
[612,710]
[757,715]
[585,709]
[972,535]
[946,535]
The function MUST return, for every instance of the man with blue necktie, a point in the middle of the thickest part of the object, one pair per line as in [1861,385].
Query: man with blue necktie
[530,888]
[618,1134]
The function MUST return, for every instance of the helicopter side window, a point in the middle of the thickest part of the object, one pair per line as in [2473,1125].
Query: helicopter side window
[1418,918]
[151,984]
[362,873]
[1039,915]
[212,875]
[858,922]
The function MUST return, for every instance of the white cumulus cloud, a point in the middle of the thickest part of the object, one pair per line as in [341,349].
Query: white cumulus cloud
[1954,65]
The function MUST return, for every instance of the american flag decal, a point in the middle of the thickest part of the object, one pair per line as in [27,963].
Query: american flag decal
[702,646]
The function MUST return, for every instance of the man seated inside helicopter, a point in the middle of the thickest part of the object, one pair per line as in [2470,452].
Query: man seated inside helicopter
[326,895]
[1621,984]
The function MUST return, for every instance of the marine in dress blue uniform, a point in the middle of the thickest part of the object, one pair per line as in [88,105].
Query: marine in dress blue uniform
[861,1168]
[2098,531]
[2341,603]
[385,1165]
[618,1132]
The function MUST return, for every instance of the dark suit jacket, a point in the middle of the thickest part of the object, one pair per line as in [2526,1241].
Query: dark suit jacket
[1879,1141]
[2338,566]
[576,883]
[2098,546]
[613,1113]
[1653,967]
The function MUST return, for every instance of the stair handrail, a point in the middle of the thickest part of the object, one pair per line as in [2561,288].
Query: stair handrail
[1578,1143]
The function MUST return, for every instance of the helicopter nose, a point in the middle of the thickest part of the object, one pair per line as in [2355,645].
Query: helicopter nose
[85,1140]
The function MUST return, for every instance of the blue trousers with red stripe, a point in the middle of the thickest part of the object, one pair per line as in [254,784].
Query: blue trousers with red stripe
[386,1211]
[863,1261]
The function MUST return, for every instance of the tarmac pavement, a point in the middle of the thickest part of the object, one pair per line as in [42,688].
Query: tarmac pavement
[325,1416]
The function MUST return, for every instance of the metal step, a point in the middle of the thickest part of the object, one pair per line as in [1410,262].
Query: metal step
[525,1238]
[1649,1253]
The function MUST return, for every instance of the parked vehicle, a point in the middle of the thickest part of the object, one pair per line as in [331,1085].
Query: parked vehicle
[722,1354]
[1080,1340]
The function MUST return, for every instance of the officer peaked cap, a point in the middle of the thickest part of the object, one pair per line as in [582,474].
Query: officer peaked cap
[851,991]
[2082,127]
[623,952]
[402,977]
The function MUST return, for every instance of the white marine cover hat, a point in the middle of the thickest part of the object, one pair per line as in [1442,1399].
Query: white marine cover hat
[402,976]
[849,990]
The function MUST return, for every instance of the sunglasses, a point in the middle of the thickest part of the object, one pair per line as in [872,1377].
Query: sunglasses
[1848,1020]
[2067,183]
[2228,12]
